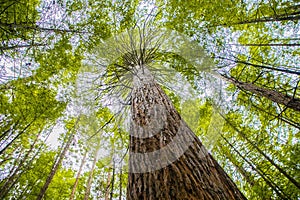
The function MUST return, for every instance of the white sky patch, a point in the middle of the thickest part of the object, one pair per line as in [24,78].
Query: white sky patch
[53,139]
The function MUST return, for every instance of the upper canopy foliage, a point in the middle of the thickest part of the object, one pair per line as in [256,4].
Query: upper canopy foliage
[66,68]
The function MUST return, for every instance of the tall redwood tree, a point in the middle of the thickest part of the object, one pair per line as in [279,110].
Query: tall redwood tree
[167,160]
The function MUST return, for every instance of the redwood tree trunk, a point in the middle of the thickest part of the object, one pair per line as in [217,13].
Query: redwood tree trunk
[167,161]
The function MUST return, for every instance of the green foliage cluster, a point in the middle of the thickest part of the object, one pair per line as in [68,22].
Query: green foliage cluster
[255,139]
[15,14]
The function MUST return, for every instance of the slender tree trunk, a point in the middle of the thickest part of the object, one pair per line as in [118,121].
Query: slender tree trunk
[24,167]
[285,39]
[11,128]
[267,45]
[269,182]
[270,19]
[20,46]
[12,26]
[289,17]
[78,175]
[27,190]
[23,192]
[288,101]
[107,185]
[261,66]
[167,161]
[90,179]
[16,173]
[17,136]
[13,172]
[280,169]
[120,184]
[247,176]
[275,116]
[55,167]
[112,182]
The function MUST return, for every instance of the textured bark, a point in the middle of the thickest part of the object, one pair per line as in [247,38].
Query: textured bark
[288,101]
[187,170]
